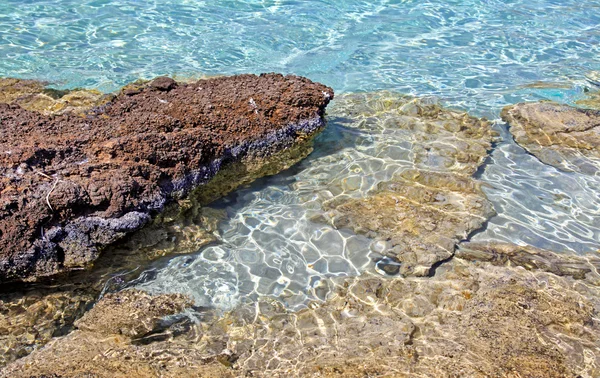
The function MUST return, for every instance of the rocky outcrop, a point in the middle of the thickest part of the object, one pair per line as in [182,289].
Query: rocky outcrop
[559,135]
[72,184]
[491,310]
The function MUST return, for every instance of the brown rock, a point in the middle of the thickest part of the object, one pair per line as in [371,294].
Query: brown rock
[163,83]
[71,185]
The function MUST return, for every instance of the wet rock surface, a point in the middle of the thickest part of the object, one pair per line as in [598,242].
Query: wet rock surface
[418,217]
[559,135]
[430,202]
[471,319]
[36,96]
[131,313]
[72,184]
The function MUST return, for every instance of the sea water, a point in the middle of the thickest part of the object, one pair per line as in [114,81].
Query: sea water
[473,55]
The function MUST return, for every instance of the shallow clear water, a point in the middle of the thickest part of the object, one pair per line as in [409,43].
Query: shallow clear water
[468,51]
[475,55]
[271,244]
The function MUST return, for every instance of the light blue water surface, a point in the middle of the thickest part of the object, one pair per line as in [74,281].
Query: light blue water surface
[468,52]
[473,54]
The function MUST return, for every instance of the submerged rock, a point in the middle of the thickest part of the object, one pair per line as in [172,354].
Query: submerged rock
[105,344]
[531,258]
[419,216]
[591,100]
[131,313]
[559,135]
[593,77]
[471,319]
[72,185]
[34,95]
[29,320]
[421,200]
[441,139]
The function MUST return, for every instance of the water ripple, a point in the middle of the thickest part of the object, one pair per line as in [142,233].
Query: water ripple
[538,204]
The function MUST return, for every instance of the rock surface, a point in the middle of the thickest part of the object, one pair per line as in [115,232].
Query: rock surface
[419,216]
[430,202]
[559,135]
[131,313]
[472,319]
[492,310]
[34,95]
[72,184]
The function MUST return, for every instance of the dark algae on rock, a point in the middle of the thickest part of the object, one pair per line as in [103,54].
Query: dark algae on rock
[73,182]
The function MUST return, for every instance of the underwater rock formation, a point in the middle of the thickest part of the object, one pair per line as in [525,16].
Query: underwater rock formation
[532,258]
[28,321]
[592,101]
[109,342]
[73,184]
[34,95]
[430,202]
[441,139]
[471,319]
[560,135]
[419,216]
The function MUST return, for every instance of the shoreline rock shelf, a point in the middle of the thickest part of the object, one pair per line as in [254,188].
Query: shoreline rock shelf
[73,183]
[431,202]
[472,318]
[457,307]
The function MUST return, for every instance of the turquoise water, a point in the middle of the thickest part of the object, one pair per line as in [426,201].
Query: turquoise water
[474,55]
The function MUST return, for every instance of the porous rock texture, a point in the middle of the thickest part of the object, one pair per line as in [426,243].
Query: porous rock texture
[560,135]
[74,183]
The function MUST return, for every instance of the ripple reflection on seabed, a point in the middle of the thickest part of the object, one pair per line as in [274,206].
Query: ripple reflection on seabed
[540,205]
[279,240]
